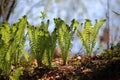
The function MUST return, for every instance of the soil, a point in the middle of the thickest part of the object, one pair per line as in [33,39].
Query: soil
[96,67]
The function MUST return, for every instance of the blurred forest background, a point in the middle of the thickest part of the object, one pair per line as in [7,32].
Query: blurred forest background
[12,10]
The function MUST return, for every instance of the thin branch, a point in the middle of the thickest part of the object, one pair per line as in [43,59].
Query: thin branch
[2,9]
[6,9]
[10,10]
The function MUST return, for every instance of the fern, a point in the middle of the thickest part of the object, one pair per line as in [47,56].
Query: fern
[51,40]
[20,38]
[65,37]
[12,41]
[95,31]
[88,36]
[18,72]
[5,49]
[42,42]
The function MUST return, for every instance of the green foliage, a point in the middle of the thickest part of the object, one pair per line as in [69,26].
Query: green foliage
[114,51]
[12,42]
[51,46]
[88,36]
[18,72]
[64,36]
[116,48]
[42,42]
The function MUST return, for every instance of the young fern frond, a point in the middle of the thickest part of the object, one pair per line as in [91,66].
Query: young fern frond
[65,37]
[19,39]
[88,36]
[42,42]
[33,36]
[51,46]
[12,39]
[5,31]
[95,31]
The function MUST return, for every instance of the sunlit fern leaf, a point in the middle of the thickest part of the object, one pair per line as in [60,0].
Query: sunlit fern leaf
[33,36]
[51,47]
[5,49]
[20,37]
[89,34]
[21,26]
[13,43]
[95,31]
[5,31]
[73,26]
[65,36]
[6,37]
[40,41]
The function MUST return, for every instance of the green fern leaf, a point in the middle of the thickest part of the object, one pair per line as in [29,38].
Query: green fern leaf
[95,31]
[17,73]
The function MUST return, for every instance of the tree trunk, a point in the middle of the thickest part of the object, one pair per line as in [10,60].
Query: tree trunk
[6,7]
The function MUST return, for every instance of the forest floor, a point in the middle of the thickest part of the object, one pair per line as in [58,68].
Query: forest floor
[99,67]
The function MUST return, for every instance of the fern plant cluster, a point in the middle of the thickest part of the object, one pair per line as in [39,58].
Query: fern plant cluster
[64,36]
[42,42]
[88,36]
[12,43]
